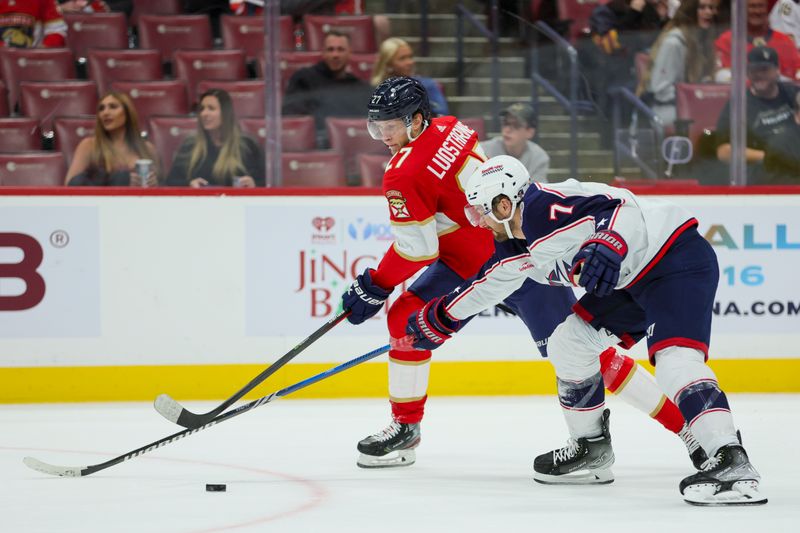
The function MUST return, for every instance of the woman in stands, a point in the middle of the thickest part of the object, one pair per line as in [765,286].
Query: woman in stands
[109,156]
[395,58]
[684,52]
[219,154]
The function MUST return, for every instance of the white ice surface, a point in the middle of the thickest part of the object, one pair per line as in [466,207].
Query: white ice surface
[290,467]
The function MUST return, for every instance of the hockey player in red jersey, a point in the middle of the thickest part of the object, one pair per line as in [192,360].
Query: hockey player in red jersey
[423,186]
[31,24]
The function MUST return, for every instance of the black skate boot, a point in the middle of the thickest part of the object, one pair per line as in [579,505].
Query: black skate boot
[696,453]
[728,479]
[393,446]
[585,461]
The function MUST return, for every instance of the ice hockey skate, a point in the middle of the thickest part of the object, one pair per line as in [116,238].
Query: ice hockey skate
[390,447]
[696,453]
[585,461]
[728,479]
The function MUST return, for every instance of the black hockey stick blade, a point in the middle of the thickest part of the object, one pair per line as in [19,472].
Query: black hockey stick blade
[175,412]
[83,471]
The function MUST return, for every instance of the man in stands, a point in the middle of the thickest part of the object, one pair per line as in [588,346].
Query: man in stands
[32,24]
[759,34]
[785,18]
[770,105]
[327,89]
[516,140]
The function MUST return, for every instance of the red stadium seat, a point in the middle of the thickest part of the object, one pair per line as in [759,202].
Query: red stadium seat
[247,95]
[290,63]
[20,134]
[371,168]
[155,7]
[167,97]
[361,30]
[313,169]
[349,137]
[32,169]
[95,30]
[70,131]
[298,134]
[478,124]
[361,65]
[192,66]
[107,66]
[3,99]
[701,104]
[45,100]
[578,13]
[167,33]
[167,134]
[247,33]
[34,64]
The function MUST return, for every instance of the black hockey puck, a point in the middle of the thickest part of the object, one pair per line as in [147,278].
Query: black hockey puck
[210,487]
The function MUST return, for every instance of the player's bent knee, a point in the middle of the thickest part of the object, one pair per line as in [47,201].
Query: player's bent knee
[678,365]
[574,349]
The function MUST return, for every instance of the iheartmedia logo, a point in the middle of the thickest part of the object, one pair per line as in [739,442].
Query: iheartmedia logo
[26,269]
[323,233]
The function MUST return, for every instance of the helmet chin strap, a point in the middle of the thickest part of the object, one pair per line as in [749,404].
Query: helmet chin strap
[505,221]
[408,131]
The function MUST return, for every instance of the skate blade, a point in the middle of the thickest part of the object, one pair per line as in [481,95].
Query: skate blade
[390,460]
[742,493]
[591,477]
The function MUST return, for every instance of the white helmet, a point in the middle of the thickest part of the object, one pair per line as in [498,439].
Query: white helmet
[499,175]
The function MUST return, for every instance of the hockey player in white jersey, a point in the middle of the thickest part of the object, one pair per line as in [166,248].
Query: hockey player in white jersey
[647,273]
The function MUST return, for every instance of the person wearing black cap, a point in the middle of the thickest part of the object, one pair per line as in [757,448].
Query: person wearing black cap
[770,105]
[518,130]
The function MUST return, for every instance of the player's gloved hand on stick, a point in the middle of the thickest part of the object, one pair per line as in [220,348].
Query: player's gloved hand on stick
[598,261]
[431,326]
[364,299]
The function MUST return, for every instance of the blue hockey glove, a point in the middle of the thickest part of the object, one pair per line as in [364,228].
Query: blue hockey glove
[598,261]
[431,326]
[364,299]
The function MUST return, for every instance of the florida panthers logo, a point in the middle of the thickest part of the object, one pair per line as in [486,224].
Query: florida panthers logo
[397,204]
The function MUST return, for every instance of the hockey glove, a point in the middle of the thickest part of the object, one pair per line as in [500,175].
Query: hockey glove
[364,299]
[598,261]
[431,326]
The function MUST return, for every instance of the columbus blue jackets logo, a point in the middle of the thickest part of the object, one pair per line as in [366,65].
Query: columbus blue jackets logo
[397,204]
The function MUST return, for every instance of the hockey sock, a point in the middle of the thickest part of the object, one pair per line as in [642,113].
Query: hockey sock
[582,403]
[628,380]
[692,385]
[408,370]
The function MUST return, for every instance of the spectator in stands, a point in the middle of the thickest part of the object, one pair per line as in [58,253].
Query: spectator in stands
[396,58]
[32,24]
[759,34]
[109,156]
[219,154]
[327,89]
[770,111]
[782,156]
[518,130]
[96,6]
[785,18]
[684,52]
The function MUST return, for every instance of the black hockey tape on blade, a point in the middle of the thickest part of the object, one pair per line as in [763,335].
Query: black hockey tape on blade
[211,487]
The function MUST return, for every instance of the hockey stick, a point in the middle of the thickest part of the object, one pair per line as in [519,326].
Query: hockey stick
[175,412]
[82,471]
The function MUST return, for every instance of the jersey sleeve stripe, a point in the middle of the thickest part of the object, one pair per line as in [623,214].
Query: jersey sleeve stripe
[413,222]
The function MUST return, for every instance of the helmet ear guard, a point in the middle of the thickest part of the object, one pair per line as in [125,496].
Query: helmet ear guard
[499,175]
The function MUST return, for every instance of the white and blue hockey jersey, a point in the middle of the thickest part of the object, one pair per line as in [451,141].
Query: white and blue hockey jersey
[557,218]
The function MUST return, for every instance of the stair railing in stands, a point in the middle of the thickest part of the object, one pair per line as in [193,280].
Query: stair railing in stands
[462,14]
[630,149]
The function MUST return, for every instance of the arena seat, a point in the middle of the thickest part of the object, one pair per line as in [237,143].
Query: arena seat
[155,7]
[478,124]
[290,62]
[371,168]
[45,100]
[313,169]
[247,95]
[577,13]
[247,33]
[33,64]
[32,169]
[361,66]
[298,133]
[167,97]
[700,104]
[167,33]
[95,30]
[349,137]
[192,66]
[360,28]
[107,66]
[20,134]
[167,133]
[70,131]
